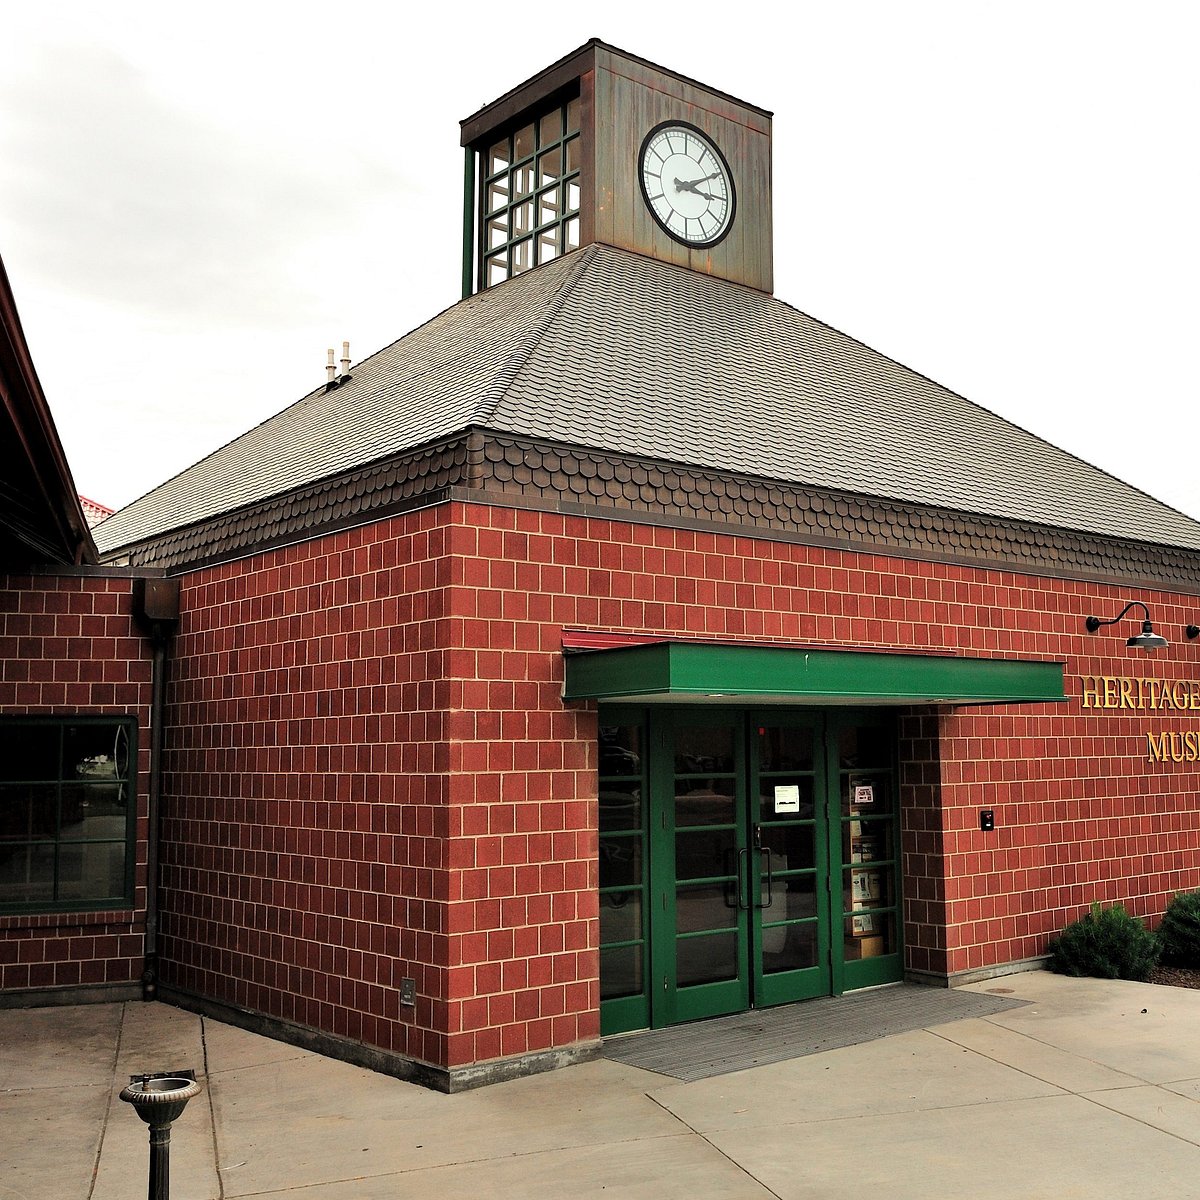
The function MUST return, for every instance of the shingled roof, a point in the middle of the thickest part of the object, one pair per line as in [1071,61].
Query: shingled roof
[612,351]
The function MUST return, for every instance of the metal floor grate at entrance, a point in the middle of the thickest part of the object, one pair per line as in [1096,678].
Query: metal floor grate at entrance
[702,1049]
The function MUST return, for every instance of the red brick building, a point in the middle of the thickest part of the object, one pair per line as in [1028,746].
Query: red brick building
[624,646]
[75,688]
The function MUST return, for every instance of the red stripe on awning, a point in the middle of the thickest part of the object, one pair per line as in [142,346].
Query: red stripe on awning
[595,639]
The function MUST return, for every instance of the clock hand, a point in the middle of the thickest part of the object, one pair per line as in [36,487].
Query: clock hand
[682,185]
[691,185]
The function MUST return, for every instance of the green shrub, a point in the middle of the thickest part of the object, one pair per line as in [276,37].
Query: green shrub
[1179,932]
[1106,943]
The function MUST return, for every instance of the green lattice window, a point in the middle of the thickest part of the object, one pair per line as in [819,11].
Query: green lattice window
[529,195]
[67,813]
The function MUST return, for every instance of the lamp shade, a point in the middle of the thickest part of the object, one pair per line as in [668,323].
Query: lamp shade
[1147,639]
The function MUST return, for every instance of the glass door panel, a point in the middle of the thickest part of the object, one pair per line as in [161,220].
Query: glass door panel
[704,964]
[789,860]
[865,839]
[746,859]
[712,958]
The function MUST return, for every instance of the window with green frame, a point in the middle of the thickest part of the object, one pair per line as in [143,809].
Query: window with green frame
[624,906]
[67,812]
[529,195]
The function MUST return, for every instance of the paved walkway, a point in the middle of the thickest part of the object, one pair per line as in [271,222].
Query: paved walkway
[1092,1090]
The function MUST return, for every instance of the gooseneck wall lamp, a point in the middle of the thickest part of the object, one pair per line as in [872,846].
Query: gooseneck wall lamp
[1146,640]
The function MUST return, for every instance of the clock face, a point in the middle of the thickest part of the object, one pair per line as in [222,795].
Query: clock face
[687,184]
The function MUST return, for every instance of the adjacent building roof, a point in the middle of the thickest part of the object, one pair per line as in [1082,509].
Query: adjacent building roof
[608,350]
[41,522]
[94,512]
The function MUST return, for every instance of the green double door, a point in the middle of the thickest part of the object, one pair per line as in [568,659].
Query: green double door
[747,858]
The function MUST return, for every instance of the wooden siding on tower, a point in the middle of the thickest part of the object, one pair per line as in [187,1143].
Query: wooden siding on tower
[630,99]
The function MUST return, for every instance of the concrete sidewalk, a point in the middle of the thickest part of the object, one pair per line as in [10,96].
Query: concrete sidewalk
[1092,1090]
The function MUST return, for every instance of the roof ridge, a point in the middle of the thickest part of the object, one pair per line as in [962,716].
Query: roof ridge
[505,376]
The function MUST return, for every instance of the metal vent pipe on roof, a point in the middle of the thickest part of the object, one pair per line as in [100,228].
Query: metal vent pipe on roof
[345,360]
[330,367]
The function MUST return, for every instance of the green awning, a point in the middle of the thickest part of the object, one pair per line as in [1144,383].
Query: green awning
[691,672]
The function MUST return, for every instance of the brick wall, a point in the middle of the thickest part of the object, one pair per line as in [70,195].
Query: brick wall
[524,921]
[305,818]
[923,863]
[68,646]
[372,775]
[1080,814]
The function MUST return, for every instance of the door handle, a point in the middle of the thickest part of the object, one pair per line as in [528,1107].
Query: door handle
[743,862]
[766,851]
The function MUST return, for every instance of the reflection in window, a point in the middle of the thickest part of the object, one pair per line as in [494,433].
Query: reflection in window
[704,749]
[864,746]
[785,748]
[67,812]
[622,875]
[531,185]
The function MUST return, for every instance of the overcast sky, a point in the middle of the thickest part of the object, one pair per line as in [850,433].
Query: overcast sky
[196,201]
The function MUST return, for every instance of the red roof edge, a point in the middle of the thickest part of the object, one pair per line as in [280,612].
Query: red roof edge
[597,639]
[575,641]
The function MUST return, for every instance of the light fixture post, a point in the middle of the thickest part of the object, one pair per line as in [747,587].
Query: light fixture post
[1146,640]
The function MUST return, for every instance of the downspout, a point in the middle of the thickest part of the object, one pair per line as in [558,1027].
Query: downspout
[158,691]
[156,609]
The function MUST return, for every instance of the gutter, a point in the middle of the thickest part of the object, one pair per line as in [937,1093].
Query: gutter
[156,610]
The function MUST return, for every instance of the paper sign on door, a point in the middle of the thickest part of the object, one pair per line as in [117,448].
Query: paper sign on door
[864,793]
[787,798]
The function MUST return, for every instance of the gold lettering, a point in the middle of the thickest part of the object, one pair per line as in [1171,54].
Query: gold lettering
[1179,694]
[1141,693]
[1153,698]
[1127,693]
[1110,692]
[1090,691]
[1195,690]
[1173,747]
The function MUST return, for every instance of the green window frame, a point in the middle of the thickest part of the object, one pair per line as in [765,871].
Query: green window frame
[529,194]
[68,813]
[624,869]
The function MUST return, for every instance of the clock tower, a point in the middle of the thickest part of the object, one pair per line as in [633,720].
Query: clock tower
[606,147]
